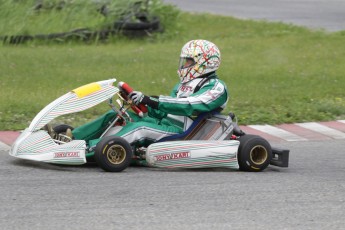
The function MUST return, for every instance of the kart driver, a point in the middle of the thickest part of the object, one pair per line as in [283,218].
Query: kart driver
[198,91]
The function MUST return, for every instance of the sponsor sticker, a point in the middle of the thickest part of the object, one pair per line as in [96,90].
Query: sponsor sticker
[173,156]
[186,88]
[66,154]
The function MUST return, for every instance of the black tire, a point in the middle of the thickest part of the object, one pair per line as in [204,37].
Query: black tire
[113,154]
[141,25]
[62,128]
[254,153]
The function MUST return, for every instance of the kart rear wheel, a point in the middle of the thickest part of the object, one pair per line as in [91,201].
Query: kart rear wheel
[113,154]
[254,153]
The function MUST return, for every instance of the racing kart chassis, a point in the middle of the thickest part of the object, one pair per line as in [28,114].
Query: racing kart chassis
[213,140]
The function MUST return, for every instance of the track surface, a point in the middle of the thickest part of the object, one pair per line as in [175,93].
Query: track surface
[307,195]
[316,14]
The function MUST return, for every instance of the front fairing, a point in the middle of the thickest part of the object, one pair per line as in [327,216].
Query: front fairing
[36,144]
[77,100]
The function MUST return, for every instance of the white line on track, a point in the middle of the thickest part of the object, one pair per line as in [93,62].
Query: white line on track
[342,121]
[316,127]
[277,132]
[4,147]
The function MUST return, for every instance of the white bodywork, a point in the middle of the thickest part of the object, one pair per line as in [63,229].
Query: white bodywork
[193,154]
[36,144]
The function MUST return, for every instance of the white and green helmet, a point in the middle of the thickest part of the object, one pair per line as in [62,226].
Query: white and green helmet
[203,56]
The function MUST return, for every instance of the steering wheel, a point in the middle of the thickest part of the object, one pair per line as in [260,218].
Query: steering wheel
[140,109]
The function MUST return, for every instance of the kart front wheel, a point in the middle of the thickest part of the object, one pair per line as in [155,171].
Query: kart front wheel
[254,153]
[63,133]
[113,154]
[62,129]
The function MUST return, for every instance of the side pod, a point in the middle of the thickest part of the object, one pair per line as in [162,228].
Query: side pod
[280,157]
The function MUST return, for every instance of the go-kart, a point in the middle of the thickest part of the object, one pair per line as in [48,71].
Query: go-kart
[212,140]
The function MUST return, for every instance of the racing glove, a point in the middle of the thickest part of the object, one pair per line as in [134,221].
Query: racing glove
[139,98]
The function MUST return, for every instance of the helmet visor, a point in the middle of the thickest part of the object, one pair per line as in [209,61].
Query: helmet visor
[186,62]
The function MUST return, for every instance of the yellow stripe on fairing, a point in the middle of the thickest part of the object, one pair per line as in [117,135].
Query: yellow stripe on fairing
[86,89]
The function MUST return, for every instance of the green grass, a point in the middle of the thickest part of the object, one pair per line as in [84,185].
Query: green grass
[275,73]
[25,18]
[22,19]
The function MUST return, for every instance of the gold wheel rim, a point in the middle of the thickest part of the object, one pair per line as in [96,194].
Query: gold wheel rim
[116,154]
[258,155]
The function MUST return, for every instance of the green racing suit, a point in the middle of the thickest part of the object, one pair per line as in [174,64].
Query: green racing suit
[174,115]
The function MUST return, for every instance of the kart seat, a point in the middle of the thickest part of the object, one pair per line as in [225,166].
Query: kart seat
[204,127]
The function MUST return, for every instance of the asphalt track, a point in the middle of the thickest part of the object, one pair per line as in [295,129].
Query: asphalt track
[328,15]
[307,195]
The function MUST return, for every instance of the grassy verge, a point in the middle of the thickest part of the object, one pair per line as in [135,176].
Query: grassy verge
[33,17]
[275,73]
